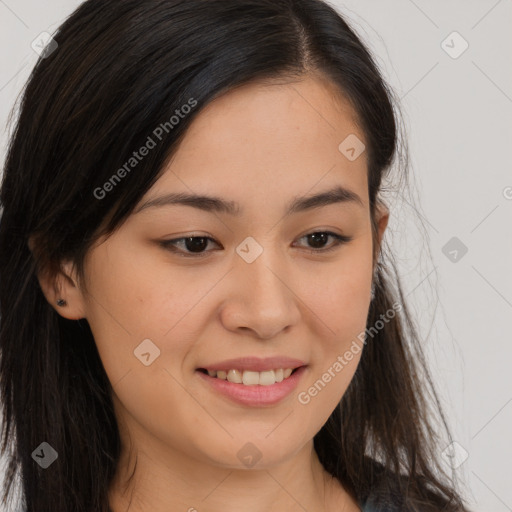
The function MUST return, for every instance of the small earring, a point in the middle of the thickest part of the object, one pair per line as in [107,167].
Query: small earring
[61,302]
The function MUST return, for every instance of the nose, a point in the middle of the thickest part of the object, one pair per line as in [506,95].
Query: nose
[263,298]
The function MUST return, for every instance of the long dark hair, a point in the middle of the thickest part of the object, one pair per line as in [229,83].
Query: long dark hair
[122,68]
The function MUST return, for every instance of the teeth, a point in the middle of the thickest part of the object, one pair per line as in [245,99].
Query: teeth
[250,378]
[264,378]
[253,378]
[235,376]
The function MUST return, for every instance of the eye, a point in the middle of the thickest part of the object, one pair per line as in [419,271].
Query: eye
[194,246]
[318,238]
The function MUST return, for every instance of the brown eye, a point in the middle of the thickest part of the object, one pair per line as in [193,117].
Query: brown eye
[318,239]
[193,246]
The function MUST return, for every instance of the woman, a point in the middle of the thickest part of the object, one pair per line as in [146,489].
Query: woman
[196,310]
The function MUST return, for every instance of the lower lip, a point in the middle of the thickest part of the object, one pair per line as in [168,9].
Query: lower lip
[257,395]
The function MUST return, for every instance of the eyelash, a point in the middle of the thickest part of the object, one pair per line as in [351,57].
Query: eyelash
[340,240]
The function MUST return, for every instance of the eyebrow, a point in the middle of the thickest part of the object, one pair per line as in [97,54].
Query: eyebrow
[335,195]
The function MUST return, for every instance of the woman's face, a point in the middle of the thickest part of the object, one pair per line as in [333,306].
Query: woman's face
[252,287]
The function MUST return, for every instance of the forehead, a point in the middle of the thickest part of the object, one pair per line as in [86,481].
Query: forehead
[270,136]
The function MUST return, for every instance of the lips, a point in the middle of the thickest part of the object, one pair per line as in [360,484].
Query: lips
[251,394]
[254,364]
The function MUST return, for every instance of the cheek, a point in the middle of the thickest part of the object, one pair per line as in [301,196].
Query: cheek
[136,307]
[135,297]
[135,293]
[128,302]
[339,298]
[339,294]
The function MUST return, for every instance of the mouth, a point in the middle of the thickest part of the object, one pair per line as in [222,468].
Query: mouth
[251,388]
[251,378]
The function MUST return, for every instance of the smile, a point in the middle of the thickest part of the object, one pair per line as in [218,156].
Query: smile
[251,378]
[245,390]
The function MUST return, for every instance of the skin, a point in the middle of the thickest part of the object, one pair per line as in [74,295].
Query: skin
[260,145]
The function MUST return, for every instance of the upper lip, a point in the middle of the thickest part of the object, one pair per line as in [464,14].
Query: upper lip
[255,364]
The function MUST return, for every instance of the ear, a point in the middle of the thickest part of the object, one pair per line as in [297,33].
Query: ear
[381,220]
[62,284]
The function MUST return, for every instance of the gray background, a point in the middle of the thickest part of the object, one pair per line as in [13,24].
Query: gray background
[458,120]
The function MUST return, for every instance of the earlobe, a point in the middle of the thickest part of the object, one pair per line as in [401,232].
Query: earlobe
[63,293]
